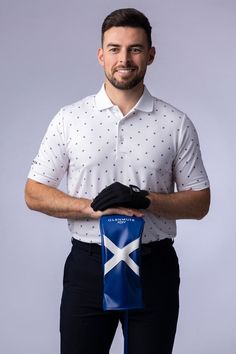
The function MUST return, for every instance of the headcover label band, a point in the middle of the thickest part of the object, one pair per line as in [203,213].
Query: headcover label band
[121,239]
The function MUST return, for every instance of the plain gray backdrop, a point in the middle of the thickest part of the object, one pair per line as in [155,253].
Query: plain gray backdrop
[48,60]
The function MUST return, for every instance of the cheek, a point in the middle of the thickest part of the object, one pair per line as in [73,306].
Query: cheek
[139,66]
[109,63]
[140,62]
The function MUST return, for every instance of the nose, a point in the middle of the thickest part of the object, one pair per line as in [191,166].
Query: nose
[124,56]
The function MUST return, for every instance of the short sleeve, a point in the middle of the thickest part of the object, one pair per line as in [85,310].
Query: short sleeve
[189,171]
[51,162]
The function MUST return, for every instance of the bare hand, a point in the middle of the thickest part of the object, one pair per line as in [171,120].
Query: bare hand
[121,211]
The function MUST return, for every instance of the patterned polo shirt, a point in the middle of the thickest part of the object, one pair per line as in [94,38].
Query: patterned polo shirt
[155,147]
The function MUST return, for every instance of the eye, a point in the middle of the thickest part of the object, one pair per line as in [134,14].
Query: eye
[114,50]
[136,50]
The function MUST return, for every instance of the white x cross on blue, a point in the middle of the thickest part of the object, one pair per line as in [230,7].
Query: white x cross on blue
[121,254]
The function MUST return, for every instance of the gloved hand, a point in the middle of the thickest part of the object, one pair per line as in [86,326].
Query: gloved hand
[119,195]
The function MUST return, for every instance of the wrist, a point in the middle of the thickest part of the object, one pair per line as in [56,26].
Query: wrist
[150,197]
[84,209]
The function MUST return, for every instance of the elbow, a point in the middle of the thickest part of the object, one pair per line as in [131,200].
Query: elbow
[204,211]
[28,196]
[205,205]
[28,201]
[29,204]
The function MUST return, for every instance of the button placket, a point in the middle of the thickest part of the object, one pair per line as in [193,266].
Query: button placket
[121,150]
[116,114]
[121,146]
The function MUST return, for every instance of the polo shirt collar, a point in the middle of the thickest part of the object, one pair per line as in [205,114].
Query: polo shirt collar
[145,103]
[102,100]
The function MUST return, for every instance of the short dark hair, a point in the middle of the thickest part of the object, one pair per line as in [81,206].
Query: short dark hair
[128,17]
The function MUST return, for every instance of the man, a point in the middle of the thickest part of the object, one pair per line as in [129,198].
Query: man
[124,135]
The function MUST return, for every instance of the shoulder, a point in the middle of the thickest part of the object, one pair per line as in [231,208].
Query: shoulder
[166,108]
[81,105]
[172,120]
[72,112]
[171,113]
[166,116]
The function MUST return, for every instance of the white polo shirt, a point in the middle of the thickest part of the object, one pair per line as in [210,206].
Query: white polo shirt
[155,147]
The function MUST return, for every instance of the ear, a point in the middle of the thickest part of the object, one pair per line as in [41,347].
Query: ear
[100,56]
[152,53]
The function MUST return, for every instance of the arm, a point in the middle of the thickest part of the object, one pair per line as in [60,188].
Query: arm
[54,202]
[180,205]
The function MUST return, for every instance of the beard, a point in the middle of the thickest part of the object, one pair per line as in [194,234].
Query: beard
[125,84]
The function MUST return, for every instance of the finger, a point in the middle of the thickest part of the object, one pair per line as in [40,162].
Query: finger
[123,211]
[94,214]
[136,212]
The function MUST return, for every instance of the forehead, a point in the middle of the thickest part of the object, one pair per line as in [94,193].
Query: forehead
[125,36]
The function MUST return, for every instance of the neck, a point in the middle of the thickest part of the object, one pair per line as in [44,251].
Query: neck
[124,99]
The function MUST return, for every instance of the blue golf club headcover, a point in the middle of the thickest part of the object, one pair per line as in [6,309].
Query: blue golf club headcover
[121,239]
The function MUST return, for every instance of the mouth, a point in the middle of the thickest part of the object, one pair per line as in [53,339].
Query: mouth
[124,70]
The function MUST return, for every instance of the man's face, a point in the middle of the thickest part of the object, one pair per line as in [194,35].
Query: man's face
[125,55]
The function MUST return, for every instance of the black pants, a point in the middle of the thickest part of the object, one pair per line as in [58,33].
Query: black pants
[87,329]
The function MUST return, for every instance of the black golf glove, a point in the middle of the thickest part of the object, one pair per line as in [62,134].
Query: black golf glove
[119,195]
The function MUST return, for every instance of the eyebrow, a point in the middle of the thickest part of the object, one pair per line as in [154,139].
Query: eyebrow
[130,46]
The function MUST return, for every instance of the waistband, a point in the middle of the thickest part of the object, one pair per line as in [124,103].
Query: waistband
[146,248]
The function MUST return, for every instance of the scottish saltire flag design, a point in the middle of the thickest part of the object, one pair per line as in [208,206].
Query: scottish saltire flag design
[121,239]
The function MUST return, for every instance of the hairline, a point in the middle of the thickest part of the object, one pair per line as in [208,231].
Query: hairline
[128,26]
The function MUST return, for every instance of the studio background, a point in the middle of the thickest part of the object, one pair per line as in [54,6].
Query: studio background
[48,60]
